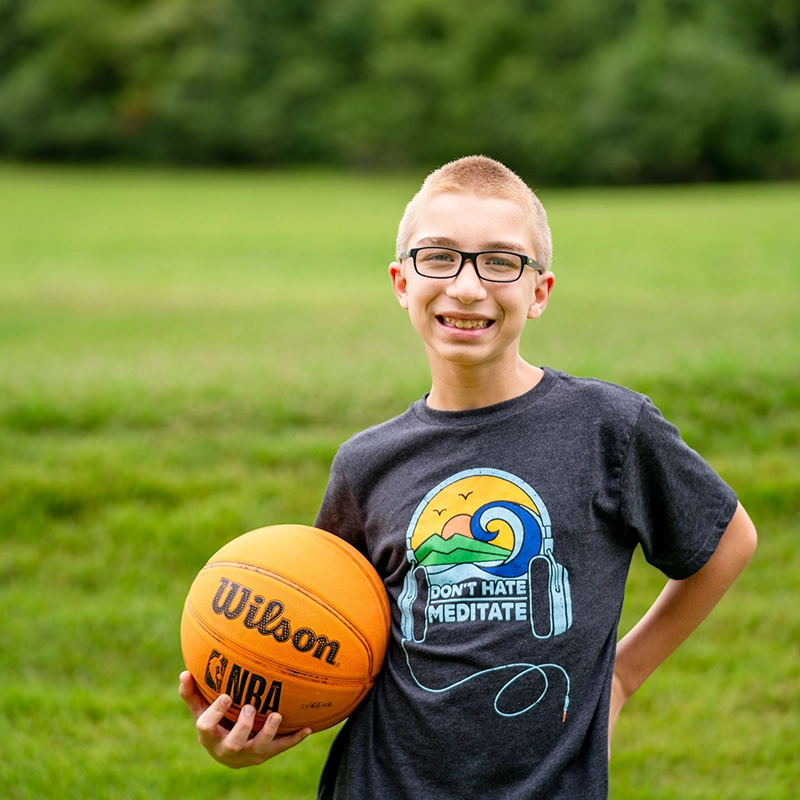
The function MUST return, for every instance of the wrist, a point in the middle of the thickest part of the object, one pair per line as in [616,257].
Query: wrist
[627,679]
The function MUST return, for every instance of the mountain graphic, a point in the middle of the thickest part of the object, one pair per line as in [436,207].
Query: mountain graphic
[457,549]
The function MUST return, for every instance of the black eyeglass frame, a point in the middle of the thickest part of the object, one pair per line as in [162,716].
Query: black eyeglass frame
[525,261]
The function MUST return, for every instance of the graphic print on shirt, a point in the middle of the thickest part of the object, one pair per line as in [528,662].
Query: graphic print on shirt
[480,546]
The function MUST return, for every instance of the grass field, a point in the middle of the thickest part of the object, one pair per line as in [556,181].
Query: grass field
[181,354]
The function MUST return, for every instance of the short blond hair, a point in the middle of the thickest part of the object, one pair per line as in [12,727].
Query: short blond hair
[483,177]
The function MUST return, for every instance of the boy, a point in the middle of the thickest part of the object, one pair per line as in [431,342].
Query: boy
[502,510]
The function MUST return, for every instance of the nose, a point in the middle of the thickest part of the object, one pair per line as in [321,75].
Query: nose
[467,287]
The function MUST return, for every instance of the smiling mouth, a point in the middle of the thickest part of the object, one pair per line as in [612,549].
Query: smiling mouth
[465,324]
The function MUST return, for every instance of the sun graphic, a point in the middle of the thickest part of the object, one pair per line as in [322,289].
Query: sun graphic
[450,510]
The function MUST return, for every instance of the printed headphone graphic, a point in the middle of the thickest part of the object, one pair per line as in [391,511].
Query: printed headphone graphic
[532,548]
[485,541]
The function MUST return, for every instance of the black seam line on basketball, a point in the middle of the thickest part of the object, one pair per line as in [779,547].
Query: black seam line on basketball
[301,590]
[278,578]
[318,724]
[380,591]
[347,710]
[365,643]
[269,664]
[370,575]
[324,721]
[363,564]
[345,547]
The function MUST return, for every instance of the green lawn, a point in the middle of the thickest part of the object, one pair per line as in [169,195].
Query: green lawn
[182,352]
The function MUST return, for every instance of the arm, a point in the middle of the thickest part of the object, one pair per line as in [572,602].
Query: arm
[234,748]
[677,611]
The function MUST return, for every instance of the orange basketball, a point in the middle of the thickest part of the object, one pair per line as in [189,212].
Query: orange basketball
[287,618]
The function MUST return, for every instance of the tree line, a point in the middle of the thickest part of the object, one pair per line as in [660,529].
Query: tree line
[568,91]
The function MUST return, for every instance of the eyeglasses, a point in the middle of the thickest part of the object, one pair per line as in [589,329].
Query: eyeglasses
[496,266]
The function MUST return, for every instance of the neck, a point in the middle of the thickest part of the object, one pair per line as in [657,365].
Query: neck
[459,387]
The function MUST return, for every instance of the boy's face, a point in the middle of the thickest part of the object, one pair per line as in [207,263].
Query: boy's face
[465,320]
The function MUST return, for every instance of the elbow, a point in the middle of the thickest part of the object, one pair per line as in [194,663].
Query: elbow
[750,533]
[744,535]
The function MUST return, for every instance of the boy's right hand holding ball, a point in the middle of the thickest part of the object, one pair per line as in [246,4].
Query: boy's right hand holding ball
[234,748]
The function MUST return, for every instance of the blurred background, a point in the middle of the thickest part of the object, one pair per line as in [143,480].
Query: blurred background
[571,92]
[198,202]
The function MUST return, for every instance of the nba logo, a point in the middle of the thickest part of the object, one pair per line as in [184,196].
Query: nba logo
[215,670]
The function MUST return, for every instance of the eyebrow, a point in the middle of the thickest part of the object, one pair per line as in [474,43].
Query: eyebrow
[446,241]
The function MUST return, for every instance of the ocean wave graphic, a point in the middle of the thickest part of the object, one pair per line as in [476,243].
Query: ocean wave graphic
[526,529]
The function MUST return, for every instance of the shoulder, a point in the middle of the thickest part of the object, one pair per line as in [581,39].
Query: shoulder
[597,399]
[383,431]
[379,443]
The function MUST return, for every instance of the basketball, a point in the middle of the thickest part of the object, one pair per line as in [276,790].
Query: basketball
[286,618]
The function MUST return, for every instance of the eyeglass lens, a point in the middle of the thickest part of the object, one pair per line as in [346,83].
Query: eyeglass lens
[442,262]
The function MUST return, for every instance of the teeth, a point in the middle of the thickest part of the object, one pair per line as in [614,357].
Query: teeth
[468,324]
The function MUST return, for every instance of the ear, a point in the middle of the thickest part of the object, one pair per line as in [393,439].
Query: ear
[541,296]
[399,283]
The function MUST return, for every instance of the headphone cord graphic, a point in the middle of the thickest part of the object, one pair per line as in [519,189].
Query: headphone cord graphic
[526,669]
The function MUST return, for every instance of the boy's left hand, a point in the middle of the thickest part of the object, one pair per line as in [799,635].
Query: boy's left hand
[677,611]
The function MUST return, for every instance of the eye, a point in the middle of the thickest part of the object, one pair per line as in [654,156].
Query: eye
[499,261]
[442,256]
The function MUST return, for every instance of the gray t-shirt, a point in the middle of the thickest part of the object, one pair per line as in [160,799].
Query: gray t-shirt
[504,537]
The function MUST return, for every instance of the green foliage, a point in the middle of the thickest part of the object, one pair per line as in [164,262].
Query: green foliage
[182,352]
[569,92]
[667,102]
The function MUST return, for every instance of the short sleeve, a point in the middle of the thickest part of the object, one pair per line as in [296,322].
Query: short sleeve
[671,501]
[339,512]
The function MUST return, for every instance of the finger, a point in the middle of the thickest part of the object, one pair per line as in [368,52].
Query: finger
[187,684]
[281,743]
[262,741]
[209,731]
[277,744]
[240,733]
[191,696]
